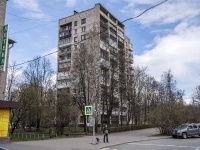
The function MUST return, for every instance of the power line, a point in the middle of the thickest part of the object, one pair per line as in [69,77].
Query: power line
[32,19]
[93,35]
[145,11]
[31,28]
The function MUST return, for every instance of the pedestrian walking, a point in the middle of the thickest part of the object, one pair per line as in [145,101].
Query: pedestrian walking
[105,132]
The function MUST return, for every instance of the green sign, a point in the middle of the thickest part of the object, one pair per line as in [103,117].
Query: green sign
[4,48]
[88,110]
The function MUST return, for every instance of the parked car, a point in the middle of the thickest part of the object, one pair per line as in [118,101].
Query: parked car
[185,130]
[1,148]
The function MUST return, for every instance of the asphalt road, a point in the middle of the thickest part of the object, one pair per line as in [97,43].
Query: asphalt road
[161,144]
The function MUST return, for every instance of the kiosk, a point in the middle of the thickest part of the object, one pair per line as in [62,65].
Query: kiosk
[5,108]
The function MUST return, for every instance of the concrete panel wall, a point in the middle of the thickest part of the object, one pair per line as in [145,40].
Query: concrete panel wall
[2,21]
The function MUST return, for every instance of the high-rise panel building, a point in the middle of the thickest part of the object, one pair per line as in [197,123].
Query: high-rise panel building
[113,53]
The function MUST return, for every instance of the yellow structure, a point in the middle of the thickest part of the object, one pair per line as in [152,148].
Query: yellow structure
[4,121]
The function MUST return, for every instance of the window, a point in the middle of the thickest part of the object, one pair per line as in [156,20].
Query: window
[65,41]
[83,29]
[120,33]
[75,55]
[120,39]
[83,21]
[68,48]
[195,126]
[75,39]
[75,31]
[68,56]
[82,45]
[75,23]
[75,47]
[83,37]
[189,127]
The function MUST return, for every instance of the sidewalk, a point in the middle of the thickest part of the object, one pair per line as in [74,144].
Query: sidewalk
[84,143]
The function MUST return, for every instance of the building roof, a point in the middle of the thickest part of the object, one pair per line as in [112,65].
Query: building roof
[10,104]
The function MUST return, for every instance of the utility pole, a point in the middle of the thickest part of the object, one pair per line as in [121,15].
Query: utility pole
[2,22]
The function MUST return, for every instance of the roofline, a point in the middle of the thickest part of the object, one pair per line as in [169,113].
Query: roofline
[10,104]
[93,8]
[109,12]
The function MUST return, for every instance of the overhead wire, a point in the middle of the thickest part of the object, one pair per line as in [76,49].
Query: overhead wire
[31,28]
[32,19]
[145,11]
[90,37]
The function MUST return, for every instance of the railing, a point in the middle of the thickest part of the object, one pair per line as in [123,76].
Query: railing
[29,135]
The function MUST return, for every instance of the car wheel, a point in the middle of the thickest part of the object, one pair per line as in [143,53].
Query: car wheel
[173,136]
[184,135]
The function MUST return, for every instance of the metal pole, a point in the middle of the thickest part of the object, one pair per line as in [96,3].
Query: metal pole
[94,140]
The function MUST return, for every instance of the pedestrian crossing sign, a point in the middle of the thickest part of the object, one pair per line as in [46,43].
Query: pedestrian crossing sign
[88,110]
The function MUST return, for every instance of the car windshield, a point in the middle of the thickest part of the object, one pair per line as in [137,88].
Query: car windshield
[182,126]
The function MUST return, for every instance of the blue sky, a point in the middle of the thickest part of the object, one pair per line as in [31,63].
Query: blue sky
[166,37]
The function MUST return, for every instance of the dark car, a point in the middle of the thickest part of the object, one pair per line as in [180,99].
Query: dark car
[185,130]
[1,148]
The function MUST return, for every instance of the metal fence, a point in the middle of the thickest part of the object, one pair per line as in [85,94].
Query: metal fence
[29,135]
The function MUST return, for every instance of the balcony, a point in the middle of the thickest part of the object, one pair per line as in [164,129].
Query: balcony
[131,61]
[104,63]
[120,44]
[131,56]
[64,45]
[131,50]
[104,24]
[113,58]
[63,69]
[103,45]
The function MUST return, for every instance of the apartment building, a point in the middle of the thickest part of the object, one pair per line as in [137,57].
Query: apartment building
[114,47]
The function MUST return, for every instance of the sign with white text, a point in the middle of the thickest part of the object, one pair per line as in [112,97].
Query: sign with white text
[4,49]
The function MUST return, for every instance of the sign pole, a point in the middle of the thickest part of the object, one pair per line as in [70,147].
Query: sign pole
[94,140]
[89,111]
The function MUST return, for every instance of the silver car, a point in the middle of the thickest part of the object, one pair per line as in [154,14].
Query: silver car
[186,130]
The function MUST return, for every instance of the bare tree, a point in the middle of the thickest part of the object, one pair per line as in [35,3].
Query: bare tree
[135,104]
[85,72]
[12,81]
[170,111]
[122,83]
[38,75]
[196,104]
[63,109]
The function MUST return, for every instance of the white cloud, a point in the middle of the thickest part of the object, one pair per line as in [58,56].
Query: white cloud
[27,4]
[32,7]
[178,51]
[139,2]
[54,77]
[52,52]
[71,3]
[169,12]
[52,55]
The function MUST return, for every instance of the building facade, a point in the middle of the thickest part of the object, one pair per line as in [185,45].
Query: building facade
[2,22]
[112,51]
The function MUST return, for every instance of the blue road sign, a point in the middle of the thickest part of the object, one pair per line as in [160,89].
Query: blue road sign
[88,110]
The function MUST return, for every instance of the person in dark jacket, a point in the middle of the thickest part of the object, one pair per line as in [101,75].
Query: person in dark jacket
[105,132]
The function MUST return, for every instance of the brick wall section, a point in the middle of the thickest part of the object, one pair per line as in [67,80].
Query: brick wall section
[2,21]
